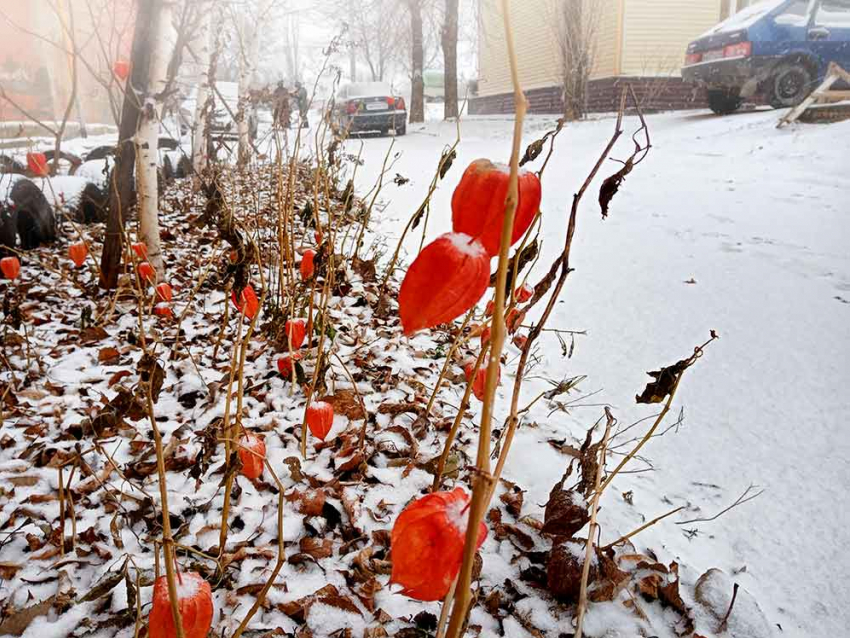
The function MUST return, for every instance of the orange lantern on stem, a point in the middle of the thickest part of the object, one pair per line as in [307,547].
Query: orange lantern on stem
[10,267]
[146,272]
[427,544]
[162,310]
[478,203]
[513,320]
[524,293]
[141,250]
[286,364]
[480,377]
[121,69]
[37,163]
[320,418]
[520,341]
[447,278]
[485,336]
[252,453]
[295,330]
[307,266]
[164,292]
[194,600]
[247,301]
[78,253]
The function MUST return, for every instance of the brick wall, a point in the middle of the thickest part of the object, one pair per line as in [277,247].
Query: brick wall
[654,94]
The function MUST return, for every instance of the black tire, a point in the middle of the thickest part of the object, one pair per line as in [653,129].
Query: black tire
[401,130]
[790,85]
[724,102]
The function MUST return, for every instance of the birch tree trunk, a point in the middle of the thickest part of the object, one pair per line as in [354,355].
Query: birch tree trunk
[249,34]
[147,136]
[121,177]
[199,133]
[449,39]
[417,98]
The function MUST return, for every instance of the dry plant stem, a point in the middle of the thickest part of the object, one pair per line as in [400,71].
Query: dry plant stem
[167,539]
[483,485]
[594,509]
[449,357]
[61,513]
[563,262]
[646,437]
[723,623]
[261,596]
[623,539]
[444,612]
[464,403]
[362,442]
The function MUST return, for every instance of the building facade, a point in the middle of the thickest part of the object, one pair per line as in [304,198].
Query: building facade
[36,58]
[639,41]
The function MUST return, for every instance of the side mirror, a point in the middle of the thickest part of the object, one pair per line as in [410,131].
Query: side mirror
[818,33]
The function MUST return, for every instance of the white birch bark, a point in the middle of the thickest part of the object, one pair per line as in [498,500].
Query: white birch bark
[249,34]
[199,137]
[147,135]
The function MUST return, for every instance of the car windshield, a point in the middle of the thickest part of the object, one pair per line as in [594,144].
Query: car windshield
[746,17]
[369,89]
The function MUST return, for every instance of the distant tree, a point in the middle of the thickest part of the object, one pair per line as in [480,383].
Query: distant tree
[416,111]
[449,41]
[577,26]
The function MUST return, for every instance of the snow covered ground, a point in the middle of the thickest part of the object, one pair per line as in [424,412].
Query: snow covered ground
[759,219]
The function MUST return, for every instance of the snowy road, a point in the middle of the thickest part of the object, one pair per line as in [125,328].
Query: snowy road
[760,219]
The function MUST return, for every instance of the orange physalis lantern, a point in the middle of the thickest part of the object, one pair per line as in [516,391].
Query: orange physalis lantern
[141,250]
[520,341]
[485,336]
[164,292]
[194,599]
[247,301]
[318,236]
[478,203]
[513,320]
[480,377]
[307,267]
[524,293]
[295,330]
[37,163]
[320,418]
[447,278]
[78,253]
[286,364]
[162,310]
[146,272]
[252,453]
[491,307]
[427,544]
[233,256]
[121,68]
[11,267]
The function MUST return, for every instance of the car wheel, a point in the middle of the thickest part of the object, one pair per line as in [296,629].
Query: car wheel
[792,82]
[724,101]
[401,130]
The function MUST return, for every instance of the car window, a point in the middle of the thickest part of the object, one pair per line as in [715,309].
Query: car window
[834,13]
[794,15]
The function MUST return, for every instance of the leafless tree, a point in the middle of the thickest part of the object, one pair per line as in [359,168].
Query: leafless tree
[417,63]
[577,28]
[449,41]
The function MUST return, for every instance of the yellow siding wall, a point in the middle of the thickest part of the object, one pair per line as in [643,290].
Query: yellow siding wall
[633,38]
[657,32]
[536,43]
[605,18]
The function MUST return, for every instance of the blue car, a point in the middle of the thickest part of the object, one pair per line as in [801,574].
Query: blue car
[779,49]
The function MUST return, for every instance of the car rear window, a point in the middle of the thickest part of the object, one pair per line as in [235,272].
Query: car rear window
[746,17]
[368,89]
